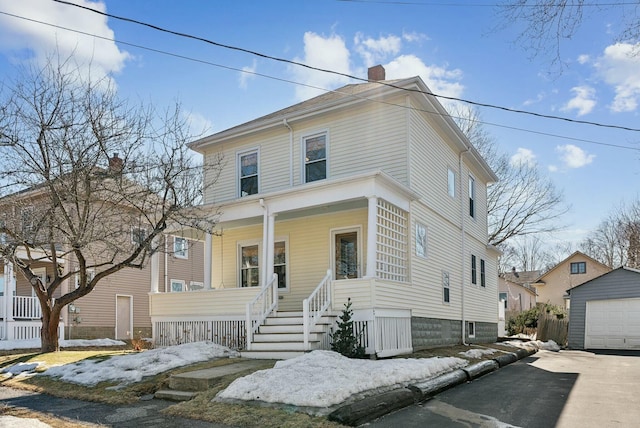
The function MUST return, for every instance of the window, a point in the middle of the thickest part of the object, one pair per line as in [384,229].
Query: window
[445,287]
[90,275]
[177,285]
[27,220]
[248,168]
[249,266]
[451,182]
[280,263]
[3,235]
[503,298]
[421,240]
[196,285]
[474,276]
[180,247]
[315,158]
[138,235]
[472,197]
[483,276]
[578,267]
[471,329]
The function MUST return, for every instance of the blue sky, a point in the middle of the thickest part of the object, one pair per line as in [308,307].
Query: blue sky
[453,45]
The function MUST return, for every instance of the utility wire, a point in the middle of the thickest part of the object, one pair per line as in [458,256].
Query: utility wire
[474,103]
[200,61]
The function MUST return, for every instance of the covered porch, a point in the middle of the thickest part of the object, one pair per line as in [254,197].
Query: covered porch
[303,252]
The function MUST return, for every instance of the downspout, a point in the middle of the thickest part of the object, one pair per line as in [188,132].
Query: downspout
[166,261]
[285,123]
[463,247]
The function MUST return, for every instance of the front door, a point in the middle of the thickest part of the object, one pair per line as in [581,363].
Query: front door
[346,254]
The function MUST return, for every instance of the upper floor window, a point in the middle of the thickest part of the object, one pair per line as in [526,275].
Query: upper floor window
[138,235]
[474,271]
[315,158]
[446,294]
[472,197]
[451,182]
[180,247]
[248,169]
[483,274]
[578,267]
[421,240]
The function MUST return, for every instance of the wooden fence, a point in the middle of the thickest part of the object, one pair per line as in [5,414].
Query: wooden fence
[552,328]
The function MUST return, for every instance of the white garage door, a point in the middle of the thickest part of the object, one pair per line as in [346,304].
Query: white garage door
[612,324]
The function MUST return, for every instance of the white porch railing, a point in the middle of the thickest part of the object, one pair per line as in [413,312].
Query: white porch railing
[314,306]
[26,307]
[260,307]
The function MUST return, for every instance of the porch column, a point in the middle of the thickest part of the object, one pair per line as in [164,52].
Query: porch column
[270,245]
[372,237]
[154,266]
[208,254]
[9,289]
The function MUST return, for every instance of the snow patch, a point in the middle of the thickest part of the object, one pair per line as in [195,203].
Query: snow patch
[478,353]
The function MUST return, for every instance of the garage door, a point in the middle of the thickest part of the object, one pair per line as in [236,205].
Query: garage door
[612,324]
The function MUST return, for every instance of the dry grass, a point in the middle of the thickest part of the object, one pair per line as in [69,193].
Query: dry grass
[52,421]
[201,407]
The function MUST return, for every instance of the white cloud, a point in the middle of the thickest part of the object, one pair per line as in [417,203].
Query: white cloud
[414,37]
[440,80]
[583,59]
[620,68]
[552,168]
[573,156]
[373,51]
[523,157]
[247,74]
[328,53]
[583,101]
[41,42]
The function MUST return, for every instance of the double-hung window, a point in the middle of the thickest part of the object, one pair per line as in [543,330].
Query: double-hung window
[248,173]
[250,260]
[483,276]
[180,247]
[578,267]
[472,197]
[315,158]
[474,273]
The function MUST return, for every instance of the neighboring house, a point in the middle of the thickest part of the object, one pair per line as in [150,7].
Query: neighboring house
[369,193]
[605,311]
[574,270]
[516,292]
[117,308]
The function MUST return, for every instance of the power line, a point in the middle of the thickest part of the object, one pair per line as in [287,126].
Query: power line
[259,54]
[200,61]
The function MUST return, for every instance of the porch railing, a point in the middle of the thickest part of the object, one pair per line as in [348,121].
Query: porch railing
[314,306]
[26,307]
[260,307]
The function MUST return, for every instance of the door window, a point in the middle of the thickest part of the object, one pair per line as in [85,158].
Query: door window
[346,254]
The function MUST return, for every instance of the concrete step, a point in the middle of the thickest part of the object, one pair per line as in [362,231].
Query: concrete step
[271,355]
[173,395]
[201,380]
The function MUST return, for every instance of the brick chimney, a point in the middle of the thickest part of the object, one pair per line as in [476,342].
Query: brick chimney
[115,163]
[376,73]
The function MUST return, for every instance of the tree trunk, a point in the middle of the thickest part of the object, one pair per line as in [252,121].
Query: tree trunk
[49,330]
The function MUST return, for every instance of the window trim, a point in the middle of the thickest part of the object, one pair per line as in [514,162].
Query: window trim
[578,265]
[239,176]
[177,281]
[357,229]
[134,228]
[303,153]
[91,273]
[505,300]
[446,286]
[258,242]
[471,329]
[474,270]
[483,274]
[451,182]
[472,196]
[182,253]
[425,251]
[200,284]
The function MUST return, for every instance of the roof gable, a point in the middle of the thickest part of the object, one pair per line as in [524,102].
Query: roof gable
[569,259]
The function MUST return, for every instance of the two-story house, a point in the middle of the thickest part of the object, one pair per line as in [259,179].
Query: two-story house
[369,193]
[552,287]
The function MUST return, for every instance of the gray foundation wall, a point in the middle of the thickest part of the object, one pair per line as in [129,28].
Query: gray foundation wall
[432,332]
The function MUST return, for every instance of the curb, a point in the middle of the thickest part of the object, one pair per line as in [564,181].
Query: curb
[373,407]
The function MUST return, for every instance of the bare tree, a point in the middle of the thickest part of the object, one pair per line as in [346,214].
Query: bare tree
[522,202]
[548,23]
[88,183]
[616,240]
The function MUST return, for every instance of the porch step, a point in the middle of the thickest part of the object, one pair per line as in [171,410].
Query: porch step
[173,395]
[284,337]
[289,328]
[282,346]
[271,355]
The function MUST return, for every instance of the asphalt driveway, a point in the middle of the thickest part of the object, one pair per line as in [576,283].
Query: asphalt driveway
[548,389]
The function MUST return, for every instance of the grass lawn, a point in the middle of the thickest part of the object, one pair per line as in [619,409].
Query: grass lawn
[201,407]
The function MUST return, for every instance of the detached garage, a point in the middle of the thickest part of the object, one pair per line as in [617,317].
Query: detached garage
[605,312]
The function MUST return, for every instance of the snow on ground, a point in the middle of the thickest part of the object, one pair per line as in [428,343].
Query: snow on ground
[133,367]
[325,378]
[478,353]
[7,421]
[534,344]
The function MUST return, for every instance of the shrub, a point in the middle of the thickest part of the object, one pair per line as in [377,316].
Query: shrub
[344,339]
[526,322]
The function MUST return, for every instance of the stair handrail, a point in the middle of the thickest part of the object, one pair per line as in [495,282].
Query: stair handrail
[258,309]
[314,306]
